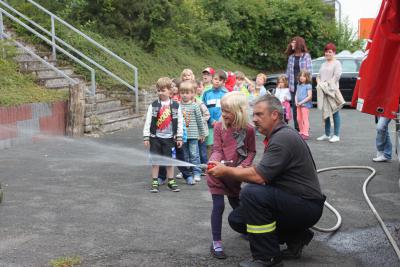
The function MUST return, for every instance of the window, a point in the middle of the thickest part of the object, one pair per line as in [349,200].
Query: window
[349,65]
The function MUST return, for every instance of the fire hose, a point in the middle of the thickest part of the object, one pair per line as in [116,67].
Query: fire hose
[371,206]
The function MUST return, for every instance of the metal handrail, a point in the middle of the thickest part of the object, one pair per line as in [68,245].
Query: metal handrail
[93,77]
[54,17]
[55,38]
[40,59]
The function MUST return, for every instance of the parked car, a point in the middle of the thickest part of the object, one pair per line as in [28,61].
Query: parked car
[350,67]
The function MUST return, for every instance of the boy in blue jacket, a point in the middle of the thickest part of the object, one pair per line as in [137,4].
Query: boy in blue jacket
[212,99]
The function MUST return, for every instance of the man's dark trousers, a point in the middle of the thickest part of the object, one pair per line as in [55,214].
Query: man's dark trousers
[271,216]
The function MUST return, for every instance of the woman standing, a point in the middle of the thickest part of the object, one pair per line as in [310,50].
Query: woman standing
[330,100]
[298,59]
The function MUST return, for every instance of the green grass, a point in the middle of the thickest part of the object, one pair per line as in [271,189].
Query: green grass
[170,61]
[17,88]
[66,262]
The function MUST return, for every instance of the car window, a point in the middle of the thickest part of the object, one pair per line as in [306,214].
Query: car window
[316,65]
[349,65]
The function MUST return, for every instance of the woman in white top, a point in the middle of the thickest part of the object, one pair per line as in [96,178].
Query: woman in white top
[330,72]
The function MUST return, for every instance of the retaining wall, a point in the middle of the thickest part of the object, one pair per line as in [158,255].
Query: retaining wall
[24,124]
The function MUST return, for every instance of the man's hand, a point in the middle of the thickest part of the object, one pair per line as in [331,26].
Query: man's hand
[146,143]
[202,138]
[179,144]
[219,169]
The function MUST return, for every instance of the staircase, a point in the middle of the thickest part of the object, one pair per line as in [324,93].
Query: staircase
[104,112]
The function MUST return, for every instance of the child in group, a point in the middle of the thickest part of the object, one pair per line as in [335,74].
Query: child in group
[230,81]
[163,127]
[205,114]
[234,141]
[195,129]
[199,90]
[207,75]
[212,99]
[282,92]
[303,102]
[240,83]
[261,79]
[175,91]
[187,75]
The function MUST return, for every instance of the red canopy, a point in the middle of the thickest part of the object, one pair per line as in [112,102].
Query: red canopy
[377,91]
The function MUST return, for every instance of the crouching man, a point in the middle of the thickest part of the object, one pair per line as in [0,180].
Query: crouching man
[283,198]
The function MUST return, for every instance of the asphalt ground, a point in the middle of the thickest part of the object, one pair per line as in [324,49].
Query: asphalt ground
[89,198]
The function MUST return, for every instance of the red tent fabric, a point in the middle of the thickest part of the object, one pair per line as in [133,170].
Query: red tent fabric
[377,90]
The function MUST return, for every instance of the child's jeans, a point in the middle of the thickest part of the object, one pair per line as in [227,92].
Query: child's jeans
[203,152]
[191,152]
[302,120]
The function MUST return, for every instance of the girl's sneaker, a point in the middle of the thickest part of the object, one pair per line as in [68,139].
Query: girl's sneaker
[217,251]
[173,186]
[154,186]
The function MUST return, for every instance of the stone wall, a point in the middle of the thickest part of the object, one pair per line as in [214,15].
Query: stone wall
[25,124]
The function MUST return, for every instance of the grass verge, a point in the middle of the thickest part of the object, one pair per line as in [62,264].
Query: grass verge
[17,88]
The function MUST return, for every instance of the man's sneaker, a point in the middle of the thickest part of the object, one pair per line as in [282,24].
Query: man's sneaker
[274,261]
[179,176]
[381,158]
[323,138]
[197,178]
[190,180]
[173,186]
[154,186]
[295,247]
[334,139]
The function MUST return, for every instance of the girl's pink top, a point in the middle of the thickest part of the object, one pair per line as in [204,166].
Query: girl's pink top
[225,149]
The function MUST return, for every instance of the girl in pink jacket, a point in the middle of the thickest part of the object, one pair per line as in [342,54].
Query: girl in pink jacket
[234,142]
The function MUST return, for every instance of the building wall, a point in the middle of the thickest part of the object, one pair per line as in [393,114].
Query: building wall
[27,123]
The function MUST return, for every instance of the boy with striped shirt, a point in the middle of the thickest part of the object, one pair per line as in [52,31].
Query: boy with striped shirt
[195,128]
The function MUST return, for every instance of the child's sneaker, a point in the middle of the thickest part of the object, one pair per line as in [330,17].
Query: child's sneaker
[190,180]
[197,178]
[173,186]
[217,251]
[154,186]
[179,176]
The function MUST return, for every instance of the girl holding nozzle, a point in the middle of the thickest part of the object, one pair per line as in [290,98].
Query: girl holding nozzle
[234,143]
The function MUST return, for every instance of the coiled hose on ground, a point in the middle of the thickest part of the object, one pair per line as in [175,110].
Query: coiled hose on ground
[337,214]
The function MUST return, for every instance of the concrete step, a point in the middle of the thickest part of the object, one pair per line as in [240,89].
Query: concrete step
[49,73]
[121,123]
[100,96]
[107,104]
[27,65]
[24,56]
[113,114]
[58,82]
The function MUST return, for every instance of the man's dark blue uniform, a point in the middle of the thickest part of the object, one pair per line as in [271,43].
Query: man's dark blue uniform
[283,209]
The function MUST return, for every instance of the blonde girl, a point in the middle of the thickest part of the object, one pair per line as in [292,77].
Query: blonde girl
[187,75]
[234,141]
[303,102]
[282,92]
